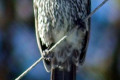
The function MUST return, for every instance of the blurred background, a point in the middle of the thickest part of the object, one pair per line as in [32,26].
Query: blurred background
[19,50]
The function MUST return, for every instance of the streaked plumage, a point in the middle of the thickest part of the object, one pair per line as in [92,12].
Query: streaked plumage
[55,18]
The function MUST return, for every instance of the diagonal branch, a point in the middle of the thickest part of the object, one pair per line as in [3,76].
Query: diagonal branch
[33,65]
[26,71]
[95,10]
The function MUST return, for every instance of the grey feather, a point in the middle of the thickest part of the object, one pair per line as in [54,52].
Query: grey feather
[55,18]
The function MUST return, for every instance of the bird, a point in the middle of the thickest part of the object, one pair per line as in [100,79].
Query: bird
[53,20]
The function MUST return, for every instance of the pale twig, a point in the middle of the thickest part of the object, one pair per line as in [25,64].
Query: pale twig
[25,72]
[95,10]
[57,43]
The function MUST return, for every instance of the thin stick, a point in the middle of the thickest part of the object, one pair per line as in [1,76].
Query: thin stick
[57,43]
[25,72]
[32,66]
[95,9]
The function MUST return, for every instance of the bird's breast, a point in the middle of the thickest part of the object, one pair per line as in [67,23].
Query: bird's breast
[56,17]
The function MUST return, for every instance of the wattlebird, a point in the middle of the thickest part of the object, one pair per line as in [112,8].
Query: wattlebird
[53,20]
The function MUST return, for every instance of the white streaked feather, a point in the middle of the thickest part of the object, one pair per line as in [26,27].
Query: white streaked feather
[55,20]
